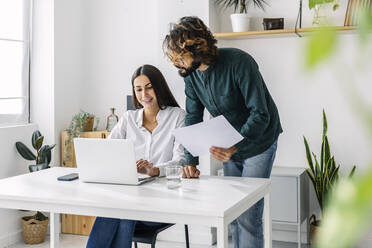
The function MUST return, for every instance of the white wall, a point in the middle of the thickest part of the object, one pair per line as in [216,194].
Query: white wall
[117,37]
[12,164]
[68,66]
[42,69]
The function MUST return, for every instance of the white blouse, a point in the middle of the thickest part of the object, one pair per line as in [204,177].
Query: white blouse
[158,147]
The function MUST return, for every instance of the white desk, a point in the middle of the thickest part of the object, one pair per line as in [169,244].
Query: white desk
[210,201]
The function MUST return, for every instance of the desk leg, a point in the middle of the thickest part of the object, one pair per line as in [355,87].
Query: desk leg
[299,241]
[54,230]
[222,234]
[267,221]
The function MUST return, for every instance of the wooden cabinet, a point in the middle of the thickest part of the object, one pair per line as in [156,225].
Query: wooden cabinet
[76,224]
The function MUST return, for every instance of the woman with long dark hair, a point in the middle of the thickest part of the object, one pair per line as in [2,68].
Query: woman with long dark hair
[150,128]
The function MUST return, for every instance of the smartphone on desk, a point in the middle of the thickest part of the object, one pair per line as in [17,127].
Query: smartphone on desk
[68,177]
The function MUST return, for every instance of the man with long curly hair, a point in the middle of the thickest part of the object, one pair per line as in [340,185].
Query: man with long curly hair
[227,81]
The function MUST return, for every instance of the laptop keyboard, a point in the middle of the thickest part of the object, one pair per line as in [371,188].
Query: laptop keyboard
[142,177]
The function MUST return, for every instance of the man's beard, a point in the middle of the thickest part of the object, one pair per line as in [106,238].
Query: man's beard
[194,66]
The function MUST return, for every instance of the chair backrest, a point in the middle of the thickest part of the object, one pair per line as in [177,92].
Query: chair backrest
[130,105]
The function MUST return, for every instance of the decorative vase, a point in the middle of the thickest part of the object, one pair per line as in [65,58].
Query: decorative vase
[322,14]
[34,231]
[240,22]
[111,120]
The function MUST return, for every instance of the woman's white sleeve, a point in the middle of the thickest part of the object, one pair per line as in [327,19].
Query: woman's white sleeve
[120,129]
[178,157]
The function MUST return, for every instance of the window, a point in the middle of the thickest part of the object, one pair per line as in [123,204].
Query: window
[14,61]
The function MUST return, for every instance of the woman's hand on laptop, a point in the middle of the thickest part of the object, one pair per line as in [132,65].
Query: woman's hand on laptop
[190,171]
[145,167]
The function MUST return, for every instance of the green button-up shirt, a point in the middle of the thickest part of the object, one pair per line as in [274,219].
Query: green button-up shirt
[233,87]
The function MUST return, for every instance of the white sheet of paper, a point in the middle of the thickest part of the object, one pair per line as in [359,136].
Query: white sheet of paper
[198,138]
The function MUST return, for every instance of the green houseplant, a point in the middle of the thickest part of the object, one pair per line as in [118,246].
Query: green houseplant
[240,21]
[321,10]
[323,174]
[348,215]
[35,227]
[241,4]
[43,152]
[80,122]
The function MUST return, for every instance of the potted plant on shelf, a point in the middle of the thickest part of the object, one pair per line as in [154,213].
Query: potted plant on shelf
[240,21]
[35,226]
[322,9]
[323,174]
[80,122]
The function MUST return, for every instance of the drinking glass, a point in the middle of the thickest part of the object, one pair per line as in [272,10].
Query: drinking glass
[173,174]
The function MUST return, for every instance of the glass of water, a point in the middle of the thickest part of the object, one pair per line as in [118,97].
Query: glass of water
[173,174]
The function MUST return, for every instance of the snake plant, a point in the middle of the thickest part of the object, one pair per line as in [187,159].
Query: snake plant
[242,4]
[324,173]
[43,152]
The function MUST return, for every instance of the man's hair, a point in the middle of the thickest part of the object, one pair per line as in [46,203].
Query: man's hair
[163,94]
[190,37]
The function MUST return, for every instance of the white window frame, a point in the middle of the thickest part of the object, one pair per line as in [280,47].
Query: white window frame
[24,117]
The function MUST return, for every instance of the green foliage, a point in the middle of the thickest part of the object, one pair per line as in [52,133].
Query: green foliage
[320,46]
[348,214]
[323,43]
[76,126]
[40,216]
[37,139]
[77,123]
[365,26]
[24,151]
[314,3]
[317,5]
[323,174]
[242,4]
[43,158]
[44,154]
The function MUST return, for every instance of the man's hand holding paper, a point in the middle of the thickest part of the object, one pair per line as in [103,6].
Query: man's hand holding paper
[215,136]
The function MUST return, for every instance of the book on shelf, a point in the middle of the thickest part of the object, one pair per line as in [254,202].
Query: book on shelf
[354,7]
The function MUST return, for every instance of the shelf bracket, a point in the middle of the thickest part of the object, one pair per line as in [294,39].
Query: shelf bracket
[300,10]
[299,19]
[297,33]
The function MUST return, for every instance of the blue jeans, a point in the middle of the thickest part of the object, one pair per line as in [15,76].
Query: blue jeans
[114,233]
[247,230]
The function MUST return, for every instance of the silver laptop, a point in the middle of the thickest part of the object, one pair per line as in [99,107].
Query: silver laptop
[107,161]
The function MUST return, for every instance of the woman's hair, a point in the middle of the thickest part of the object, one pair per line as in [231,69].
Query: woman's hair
[190,37]
[163,94]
